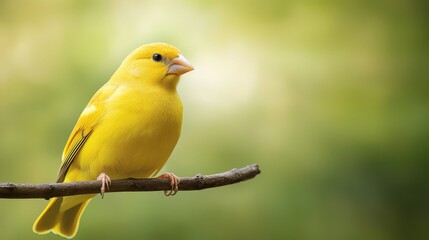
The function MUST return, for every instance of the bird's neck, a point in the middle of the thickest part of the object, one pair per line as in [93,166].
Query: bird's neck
[169,81]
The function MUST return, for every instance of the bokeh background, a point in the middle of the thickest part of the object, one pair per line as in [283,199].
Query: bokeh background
[330,98]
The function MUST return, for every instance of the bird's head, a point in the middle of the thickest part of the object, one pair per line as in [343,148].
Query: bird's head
[155,63]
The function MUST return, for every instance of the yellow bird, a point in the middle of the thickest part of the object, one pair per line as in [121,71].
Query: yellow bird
[128,130]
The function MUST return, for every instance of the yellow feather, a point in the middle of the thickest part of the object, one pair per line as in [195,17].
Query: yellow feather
[128,130]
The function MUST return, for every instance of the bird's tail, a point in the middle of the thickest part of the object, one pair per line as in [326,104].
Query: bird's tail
[62,216]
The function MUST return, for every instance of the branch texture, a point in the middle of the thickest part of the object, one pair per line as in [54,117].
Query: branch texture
[49,190]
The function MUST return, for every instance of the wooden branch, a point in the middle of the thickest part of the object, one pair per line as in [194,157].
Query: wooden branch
[49,190]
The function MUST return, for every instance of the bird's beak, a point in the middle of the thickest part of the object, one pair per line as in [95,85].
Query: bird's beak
[179,66]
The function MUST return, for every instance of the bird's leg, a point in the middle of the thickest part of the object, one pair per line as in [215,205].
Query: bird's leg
[105,183]
[174,182]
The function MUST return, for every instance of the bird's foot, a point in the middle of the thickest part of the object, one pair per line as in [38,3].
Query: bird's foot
[174,182]
[105,183]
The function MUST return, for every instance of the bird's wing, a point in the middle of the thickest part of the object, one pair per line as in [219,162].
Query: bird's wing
[84,127]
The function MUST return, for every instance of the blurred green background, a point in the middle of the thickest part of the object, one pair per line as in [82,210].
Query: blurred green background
[330,98]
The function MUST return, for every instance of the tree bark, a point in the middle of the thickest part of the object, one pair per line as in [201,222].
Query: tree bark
[198,182]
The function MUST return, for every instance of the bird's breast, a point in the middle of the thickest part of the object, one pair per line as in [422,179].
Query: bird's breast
[136,134]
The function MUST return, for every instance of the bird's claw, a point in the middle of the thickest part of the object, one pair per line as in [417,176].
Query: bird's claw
[174,182]
[105,183]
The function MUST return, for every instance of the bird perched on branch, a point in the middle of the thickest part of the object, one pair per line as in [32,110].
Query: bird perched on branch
[128,130]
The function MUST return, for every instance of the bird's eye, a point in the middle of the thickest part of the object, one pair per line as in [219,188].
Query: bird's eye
[157,57]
